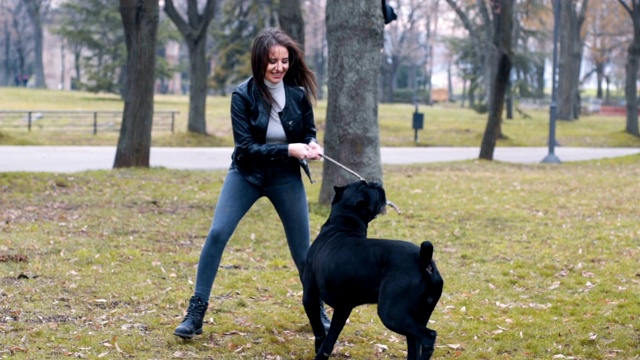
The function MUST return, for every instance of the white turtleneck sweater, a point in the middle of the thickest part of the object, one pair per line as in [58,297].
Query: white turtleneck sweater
[275,131]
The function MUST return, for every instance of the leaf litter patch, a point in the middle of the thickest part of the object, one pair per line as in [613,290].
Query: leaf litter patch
[17,258]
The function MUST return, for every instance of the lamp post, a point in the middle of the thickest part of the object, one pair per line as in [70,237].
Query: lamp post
[553,108]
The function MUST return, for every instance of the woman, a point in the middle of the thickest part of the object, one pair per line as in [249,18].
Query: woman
[274,134]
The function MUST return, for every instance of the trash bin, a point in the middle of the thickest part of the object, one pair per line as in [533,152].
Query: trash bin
[418,124]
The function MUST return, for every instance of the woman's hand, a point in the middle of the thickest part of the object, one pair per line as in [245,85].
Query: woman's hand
[315,151]
[299,151]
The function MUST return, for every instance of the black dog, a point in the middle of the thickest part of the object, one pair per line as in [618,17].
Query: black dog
[345,269]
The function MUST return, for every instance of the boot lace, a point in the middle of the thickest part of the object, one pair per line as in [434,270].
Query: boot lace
[196,310]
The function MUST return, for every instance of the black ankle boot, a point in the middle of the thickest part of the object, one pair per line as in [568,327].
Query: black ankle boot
[192,323]
[324,318]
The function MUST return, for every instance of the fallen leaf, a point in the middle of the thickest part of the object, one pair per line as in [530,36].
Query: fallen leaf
[380,348]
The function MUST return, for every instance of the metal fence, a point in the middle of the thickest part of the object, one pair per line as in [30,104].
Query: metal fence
[78,120]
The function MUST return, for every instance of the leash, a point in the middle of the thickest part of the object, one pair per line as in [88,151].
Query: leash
[344,167]
[389,203]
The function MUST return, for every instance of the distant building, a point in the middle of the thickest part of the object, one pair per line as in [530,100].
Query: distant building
[439,95]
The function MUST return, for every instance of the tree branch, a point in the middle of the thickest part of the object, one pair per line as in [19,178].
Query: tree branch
[463,16]
[626,7]
[180,23]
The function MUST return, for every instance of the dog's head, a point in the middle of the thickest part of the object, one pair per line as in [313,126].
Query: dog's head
[365,199]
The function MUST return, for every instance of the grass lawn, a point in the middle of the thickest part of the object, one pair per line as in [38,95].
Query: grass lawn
[444,125]
[539,261]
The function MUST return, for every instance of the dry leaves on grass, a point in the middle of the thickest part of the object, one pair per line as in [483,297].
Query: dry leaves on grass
[14,258]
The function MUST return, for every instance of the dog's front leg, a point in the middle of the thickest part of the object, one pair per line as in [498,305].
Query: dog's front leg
[338,320]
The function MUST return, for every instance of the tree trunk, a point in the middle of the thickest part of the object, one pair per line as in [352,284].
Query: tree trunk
[509,100]
[140,21]
[571,45]
[75,83]
[291,21]
[489,55]
[449,84]
[540,81]
[35,9]
[194,31]
[578,51]
[320,63]
[632,67]
[198,87]
[7,54]
[502,18]
[631,85]
[386,79]
[565,100]
[600,78]
[471,94]
[464,92]
[352,132]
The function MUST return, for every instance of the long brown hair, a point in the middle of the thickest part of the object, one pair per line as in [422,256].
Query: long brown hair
[298,73]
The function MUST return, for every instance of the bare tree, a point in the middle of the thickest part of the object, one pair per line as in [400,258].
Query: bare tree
[604,42]
[406,42]
[476,19]
[291,21]
[194,30]
[316,41]
[19,42]
[352,131]
[140,20]
[37,11]
[431,33]
[570,57]
[10,38]
[633,58]
[502,24]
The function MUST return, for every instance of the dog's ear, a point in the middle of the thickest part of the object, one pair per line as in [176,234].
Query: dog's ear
[369,207]
[339,190]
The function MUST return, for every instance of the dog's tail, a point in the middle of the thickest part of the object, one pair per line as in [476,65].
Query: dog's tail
[426,255]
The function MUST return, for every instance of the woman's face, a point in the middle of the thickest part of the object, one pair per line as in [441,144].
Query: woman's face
[277,65]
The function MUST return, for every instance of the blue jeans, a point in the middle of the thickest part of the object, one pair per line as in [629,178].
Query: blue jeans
[286,192]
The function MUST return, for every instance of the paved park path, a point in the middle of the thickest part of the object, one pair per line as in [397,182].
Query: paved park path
[68,159]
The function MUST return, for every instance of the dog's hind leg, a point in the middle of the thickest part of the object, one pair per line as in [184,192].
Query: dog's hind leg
[396,315]
[311,302]
[411,348]
[426,346]
[339,319]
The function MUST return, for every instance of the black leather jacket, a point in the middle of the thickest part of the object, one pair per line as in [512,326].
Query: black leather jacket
[250,117]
